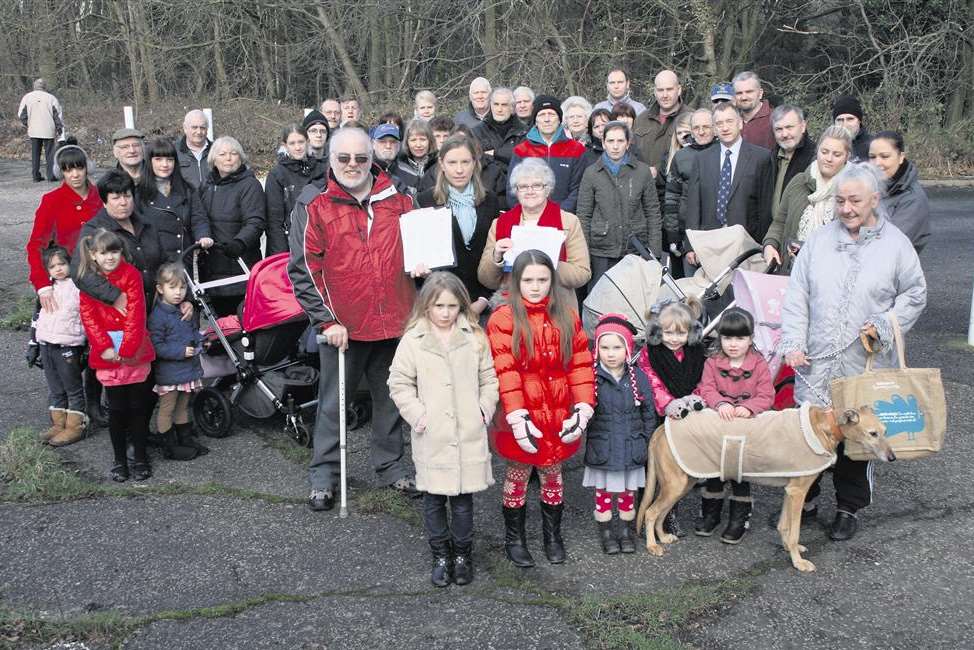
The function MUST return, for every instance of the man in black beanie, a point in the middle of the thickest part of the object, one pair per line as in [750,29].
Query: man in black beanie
[847,112]
[315,124]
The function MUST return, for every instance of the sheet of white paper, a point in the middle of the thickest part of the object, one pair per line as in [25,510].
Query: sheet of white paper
[542,238]
[427,238]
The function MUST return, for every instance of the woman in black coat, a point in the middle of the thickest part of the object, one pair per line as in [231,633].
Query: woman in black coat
[459,187]
[234,202]
[166,201]
[294,170]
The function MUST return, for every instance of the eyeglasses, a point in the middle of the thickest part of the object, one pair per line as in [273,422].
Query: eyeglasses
[317,131]
[133,146]
[534,187]
[345,158]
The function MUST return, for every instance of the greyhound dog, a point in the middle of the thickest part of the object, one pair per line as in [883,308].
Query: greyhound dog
[860,425]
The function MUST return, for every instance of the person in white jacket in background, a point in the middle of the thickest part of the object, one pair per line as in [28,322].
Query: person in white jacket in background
[40,112]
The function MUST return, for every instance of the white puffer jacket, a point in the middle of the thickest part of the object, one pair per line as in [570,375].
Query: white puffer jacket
[64,325]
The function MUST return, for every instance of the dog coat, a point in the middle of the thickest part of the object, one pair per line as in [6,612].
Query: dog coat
[768,448]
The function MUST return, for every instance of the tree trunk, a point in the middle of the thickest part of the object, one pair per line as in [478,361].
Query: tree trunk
[353,84]
[490,39]
[141,32]
[375,49]
[219,67]
[130,49]
[962,101]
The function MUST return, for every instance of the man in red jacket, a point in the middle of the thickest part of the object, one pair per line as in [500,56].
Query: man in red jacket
[347,271]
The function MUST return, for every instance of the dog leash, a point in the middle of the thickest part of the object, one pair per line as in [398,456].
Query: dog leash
[822,398]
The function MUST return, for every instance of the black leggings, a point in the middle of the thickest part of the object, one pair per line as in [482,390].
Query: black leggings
[129,409]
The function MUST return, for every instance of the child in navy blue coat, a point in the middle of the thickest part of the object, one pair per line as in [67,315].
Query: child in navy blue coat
[178,371]
[618,435]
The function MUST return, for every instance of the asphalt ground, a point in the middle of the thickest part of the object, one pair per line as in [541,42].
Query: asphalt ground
[220,552]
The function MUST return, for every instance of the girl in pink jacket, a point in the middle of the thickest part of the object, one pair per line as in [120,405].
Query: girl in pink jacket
[61,338]
[736,383]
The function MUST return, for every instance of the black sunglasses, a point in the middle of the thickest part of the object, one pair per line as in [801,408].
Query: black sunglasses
[345,158]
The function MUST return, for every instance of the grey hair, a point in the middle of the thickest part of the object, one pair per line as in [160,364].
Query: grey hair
[344,133]
[531,168]
[780,112]
[480,81]
[225,141]
[865,173]
[747,75]
[616,125]
[425,95]
[196,112]
[520,90]
[703,111]
[40,84]
[839,133]
[579,102]
[502,90]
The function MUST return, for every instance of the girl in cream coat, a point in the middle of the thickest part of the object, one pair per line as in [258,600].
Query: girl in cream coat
[443,382]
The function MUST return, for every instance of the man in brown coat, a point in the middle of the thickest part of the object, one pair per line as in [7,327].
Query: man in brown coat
[655,125]
[755,110]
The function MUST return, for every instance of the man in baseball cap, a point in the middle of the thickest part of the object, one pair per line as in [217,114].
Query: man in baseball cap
[721,92]
[386,140]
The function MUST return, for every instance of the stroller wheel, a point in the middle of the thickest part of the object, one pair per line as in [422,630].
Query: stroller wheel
[212,414]
[301,435]
[359,414]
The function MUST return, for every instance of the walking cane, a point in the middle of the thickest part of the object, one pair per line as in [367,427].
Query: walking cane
[343,504]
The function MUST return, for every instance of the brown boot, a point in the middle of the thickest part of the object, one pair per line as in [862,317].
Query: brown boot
[74,430]
[58,417]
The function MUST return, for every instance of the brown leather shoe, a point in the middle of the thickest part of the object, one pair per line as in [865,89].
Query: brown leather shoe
[58,418]
[74,430]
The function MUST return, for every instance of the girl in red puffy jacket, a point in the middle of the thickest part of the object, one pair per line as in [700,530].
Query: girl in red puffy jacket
[547,393]
[120,350]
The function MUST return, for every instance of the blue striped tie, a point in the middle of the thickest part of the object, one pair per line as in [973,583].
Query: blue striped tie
[723,189]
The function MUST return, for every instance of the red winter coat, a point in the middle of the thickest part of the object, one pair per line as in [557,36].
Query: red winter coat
[99,319]
[541,384]
[343,272]
[753,388]
[58,219]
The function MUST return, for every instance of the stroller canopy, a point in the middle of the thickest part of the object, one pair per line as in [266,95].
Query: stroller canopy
[630,288]
[762,295]
[270,300]
[717,250]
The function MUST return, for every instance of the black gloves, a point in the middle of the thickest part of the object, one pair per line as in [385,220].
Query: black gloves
[233,248]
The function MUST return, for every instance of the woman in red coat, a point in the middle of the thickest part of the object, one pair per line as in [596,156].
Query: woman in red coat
[547,394]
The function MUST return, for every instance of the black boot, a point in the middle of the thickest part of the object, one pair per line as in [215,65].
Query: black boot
[515,544]
[844,527]
[554,547]
[738,522]
[440,576]
[627,541]
[710,511]
[671,524]
[462,565]
[171,448]
[610,544]
[186,438]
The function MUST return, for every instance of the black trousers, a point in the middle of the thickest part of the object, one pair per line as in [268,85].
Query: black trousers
[62,370]
[439,532]
[740,490]
[129,409]
[35,157]
[852,480]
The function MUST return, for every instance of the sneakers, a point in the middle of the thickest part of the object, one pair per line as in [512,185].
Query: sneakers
[407,486]
[321,500]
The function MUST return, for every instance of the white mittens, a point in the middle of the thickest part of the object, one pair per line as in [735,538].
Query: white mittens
[575,425]
[523,429]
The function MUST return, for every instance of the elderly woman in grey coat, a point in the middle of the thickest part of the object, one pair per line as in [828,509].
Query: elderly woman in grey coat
[851,276]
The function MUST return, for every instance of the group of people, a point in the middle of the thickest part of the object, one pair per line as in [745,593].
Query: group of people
[489,355]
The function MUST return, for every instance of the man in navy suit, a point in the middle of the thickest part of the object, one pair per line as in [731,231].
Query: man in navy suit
[732,183]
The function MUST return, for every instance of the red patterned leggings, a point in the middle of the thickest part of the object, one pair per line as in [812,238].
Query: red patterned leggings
[516,484]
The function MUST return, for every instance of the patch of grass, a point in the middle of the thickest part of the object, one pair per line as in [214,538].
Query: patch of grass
[18,318]
[289,449]
[387,501]
[650,621]
[30,471]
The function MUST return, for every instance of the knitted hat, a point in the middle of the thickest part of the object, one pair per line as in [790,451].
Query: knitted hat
[846,105]
[315,117]
[616,324]
[546,102]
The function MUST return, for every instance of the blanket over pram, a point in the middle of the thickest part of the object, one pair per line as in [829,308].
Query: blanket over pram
[768,448]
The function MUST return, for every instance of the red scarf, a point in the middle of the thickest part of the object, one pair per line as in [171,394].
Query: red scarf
[550,218]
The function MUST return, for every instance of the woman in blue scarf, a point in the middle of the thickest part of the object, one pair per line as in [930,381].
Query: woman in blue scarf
[459,187]
[617,199]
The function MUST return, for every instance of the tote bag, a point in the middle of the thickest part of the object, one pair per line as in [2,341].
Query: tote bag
[909,401]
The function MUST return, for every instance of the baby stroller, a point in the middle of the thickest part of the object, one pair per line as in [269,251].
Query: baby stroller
[638,282]
[254,360]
